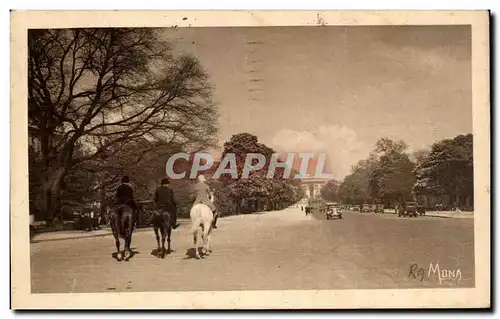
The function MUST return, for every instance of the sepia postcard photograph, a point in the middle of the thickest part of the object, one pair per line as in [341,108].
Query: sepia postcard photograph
[250,159]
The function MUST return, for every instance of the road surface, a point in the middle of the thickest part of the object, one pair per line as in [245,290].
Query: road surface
[270,251]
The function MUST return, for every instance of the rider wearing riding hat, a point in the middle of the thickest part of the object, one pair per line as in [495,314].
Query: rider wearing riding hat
[204,196]
[164,200]
[125,195]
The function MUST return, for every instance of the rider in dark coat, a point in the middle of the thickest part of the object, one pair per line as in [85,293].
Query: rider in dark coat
[164,200]
[125,195]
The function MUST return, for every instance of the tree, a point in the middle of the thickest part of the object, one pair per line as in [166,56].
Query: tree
[448,169]
[393,178]
[386,146]
[355,186]
[331,191]
[419,156]
[104,89]
[370,177]
[257,189]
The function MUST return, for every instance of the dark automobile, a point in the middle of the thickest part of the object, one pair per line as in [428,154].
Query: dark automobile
[409,209]
[441,207]
[420,209]
[84,221]
[333,211]
[379,209]
[146,209]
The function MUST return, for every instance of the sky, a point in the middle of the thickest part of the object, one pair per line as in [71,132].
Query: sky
[337,89]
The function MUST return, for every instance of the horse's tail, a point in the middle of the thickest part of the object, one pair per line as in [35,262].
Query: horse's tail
[161,219]
[124,221]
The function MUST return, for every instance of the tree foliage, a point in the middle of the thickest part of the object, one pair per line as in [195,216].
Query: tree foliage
[257,189]
[448,169]
[331,190]
[384,176]
[104,90]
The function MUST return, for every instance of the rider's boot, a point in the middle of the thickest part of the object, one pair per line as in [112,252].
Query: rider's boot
[175,224]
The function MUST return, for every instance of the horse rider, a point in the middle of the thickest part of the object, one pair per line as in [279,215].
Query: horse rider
[125,195]
[204,196]
[164,200]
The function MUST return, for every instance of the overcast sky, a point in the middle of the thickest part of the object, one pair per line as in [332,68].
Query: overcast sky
[337,89]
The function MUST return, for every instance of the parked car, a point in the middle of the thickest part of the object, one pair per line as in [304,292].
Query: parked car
[420,209]
[84,221]
[379,209]
[365,208]
[357,208]
[409,209]
[146,209]
[441,207]
[373,208]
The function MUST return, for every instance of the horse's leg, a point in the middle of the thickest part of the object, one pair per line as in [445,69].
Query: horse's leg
[128,237]
[157,237]
[207,239]
[169,233]
[205,231]
[163,232]
[114,229]
[194,231]
[117,243]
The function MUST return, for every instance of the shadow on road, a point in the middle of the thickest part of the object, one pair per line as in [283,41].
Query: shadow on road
[133,252]
[191,253]
[156,252]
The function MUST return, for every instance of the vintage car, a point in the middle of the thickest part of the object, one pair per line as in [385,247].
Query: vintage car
[380,208]
[373,208]
[356,208]
[146,210]
[365,208]
[441,207]
[333,211]
[421,209]
[409,209]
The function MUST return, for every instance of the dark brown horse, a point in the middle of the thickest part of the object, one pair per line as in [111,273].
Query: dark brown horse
[122,219]
[162,224]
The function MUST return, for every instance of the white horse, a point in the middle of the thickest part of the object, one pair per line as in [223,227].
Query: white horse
[202,219]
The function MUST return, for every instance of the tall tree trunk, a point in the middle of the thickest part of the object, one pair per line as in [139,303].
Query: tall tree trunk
[102,197]
[52,193]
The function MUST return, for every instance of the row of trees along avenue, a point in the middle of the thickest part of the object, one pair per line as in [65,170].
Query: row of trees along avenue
[441,175]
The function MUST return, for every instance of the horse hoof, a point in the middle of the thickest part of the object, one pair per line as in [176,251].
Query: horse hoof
[127,255]
[119,257]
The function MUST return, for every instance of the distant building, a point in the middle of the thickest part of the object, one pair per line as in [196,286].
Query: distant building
[311,184]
